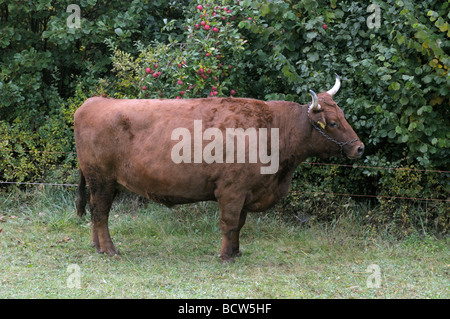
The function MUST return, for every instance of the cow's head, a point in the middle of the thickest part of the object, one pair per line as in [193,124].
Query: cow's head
[332,135]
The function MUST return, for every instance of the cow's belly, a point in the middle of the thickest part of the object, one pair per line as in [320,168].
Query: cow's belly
[169,186]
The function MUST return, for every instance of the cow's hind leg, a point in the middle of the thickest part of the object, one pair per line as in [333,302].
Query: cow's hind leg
[102,196]
[81,199]
[232,218]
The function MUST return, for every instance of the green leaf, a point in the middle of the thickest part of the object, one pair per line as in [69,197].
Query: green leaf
[421,35]
[423,148]
[394,86]
[311,35]
[313,56]
[412,126]
[404,100]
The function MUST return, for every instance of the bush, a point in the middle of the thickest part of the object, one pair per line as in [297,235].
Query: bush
[43,62]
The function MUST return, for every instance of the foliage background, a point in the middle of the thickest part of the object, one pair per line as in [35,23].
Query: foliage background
[395,90]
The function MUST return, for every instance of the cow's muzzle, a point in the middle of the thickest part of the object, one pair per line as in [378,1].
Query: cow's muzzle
[356,152]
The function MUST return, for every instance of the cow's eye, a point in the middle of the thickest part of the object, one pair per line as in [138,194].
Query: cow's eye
[333,125]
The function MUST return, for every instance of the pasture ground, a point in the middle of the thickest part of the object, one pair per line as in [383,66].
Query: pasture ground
[173,253]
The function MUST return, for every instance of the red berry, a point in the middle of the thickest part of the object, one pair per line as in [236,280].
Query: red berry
[233,92]
[207,27]
[215,29]
[148,70]
[197,26]
[200,7]
[178,97]
[182,93]
[144,88]
[180,82]
[208,54]
[325,26]
[203,23]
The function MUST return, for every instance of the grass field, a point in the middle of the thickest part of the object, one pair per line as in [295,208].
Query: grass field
[173,253]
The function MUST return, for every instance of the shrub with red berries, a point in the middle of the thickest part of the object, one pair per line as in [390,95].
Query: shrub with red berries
[207,62]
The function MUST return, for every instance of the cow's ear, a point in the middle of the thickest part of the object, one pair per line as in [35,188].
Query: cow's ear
[322,121]
[318,118]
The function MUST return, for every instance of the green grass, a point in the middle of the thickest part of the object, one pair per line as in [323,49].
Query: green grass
[173,253]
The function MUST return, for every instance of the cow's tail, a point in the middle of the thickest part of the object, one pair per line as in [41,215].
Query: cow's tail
[81,199]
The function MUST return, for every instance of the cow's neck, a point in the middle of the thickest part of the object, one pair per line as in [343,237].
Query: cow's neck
[305,146]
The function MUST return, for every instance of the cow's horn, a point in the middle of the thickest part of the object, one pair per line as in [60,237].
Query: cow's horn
[336,86]
[315,106]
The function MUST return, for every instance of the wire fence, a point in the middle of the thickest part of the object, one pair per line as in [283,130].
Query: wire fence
[292,192]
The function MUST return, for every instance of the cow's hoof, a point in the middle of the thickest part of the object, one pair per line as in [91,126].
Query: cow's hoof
[225,259]
[111,251]
[228,261]
[237,254]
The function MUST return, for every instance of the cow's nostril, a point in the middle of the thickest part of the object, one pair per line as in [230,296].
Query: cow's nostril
[361,149]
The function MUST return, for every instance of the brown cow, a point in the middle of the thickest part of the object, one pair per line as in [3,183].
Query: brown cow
[146,146]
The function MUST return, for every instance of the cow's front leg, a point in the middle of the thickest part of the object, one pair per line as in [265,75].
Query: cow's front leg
[230,224]
[235,237]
